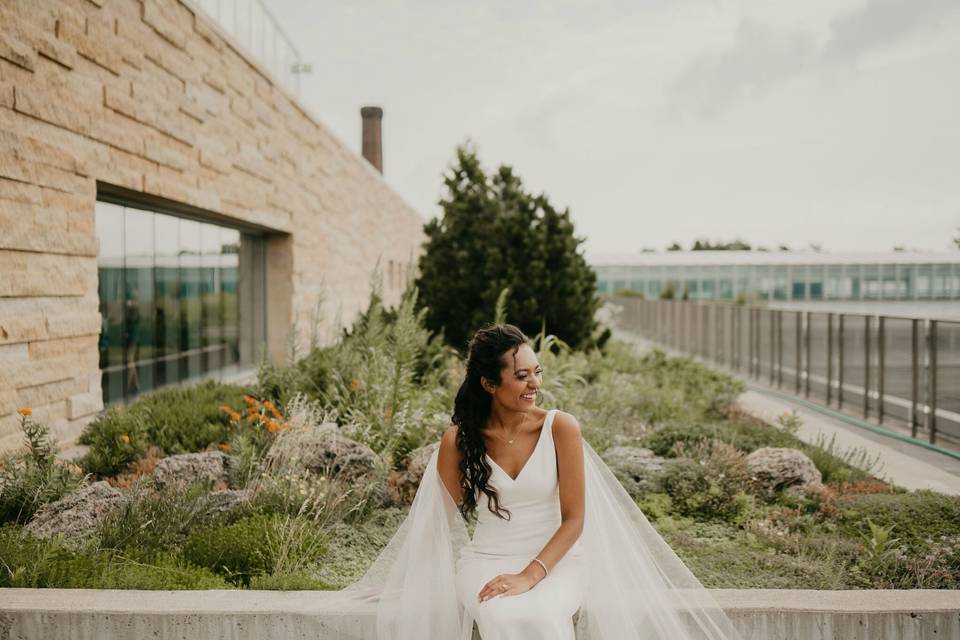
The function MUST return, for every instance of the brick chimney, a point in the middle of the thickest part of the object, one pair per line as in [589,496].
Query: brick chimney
[372,145]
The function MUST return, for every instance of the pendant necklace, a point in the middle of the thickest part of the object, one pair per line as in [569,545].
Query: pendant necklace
[516,432]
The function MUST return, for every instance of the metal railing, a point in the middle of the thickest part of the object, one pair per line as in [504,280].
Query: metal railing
[904,371]
[254,28]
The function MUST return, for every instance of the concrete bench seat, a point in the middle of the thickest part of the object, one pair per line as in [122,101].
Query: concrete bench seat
[759,614]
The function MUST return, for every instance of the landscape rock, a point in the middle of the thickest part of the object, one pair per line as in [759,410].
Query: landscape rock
[218,503]
[639,469]
[189,468]
[77,514]
[402,485]
[775,468]
[327,452]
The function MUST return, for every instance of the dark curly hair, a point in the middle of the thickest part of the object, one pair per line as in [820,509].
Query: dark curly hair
[471,410]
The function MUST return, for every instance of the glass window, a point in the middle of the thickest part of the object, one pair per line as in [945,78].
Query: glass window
[171,299]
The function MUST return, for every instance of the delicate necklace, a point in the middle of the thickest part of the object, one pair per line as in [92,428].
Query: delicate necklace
[515,432]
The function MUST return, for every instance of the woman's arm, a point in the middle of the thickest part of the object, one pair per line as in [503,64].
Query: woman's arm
[448,464]
[566,436]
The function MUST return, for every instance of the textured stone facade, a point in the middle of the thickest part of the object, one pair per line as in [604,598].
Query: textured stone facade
[152,97]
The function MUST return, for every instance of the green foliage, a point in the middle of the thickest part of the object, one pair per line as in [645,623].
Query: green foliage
[176,419]
[289,582]
[629,293]
[836,465]
[493,234]
[919,517]
[255,546]
[33,477]
[387,382]
[155,521]
[309,376]
[711,484]
[29,562]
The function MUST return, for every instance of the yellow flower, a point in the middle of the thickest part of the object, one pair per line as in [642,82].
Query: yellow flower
[25,412]
[125,438]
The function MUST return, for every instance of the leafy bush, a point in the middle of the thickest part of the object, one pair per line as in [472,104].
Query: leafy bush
[33,477]
[177,419]
[712,483]
[289,582]
[30,562]
[256,546]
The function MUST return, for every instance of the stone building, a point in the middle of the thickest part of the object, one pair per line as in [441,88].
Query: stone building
[168,211]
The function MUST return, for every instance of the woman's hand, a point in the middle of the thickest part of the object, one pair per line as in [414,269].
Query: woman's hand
[506,584]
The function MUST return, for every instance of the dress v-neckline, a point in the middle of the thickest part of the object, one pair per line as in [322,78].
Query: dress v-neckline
[536,447]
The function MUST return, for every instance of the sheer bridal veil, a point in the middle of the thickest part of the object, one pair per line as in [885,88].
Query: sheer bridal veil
[638,587]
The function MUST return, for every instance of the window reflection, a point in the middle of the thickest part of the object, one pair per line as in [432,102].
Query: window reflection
[170,299]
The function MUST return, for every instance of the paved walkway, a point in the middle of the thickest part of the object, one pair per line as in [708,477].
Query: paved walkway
[904,464]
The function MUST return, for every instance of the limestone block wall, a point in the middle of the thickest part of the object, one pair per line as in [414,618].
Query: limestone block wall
[153,98]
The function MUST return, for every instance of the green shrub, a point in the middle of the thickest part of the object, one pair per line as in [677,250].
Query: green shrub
[177,419]
[30,562]
[308,376]
[289,582]
[918,518]
[33,477]
[155,521]
[712,484]
[255,546]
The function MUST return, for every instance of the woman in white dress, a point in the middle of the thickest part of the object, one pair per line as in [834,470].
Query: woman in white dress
[560,550]
[522,575]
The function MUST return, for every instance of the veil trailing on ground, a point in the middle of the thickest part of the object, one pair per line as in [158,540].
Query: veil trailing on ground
[637,586]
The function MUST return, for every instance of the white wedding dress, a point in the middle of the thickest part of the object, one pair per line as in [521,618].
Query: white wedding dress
[507,546]
[621,579]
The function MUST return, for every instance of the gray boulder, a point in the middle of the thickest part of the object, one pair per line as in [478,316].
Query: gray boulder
[218,503]
[77,514]
[402,485]
[640,470]
[775,468]
[189,468]
[327,452]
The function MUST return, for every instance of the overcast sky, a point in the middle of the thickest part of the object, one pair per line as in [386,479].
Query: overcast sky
[834,122]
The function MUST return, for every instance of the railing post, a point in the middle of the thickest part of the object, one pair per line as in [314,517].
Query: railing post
[806,368]
[881,365]
[773,347]
[778,315]
[829,358]
[932,381]
[750,323]
[840,320]
[914,375]
[798,354]
[867,322]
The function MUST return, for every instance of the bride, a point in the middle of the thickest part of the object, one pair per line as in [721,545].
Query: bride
[560,550]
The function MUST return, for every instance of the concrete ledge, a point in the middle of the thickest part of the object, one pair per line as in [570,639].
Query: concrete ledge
[759,614]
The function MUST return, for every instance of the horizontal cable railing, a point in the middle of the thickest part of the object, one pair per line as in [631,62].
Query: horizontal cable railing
[899,371]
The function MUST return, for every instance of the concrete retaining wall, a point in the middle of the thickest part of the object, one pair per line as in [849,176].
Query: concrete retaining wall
[759,614]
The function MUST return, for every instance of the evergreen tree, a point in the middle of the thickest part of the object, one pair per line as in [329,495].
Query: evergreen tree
[494,235]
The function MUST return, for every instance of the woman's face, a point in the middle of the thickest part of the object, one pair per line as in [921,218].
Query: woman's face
[520,378]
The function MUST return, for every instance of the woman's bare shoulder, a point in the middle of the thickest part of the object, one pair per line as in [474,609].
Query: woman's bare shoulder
[448,443]
[565,426]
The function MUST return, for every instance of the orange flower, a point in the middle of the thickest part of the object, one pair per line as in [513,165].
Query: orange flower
[125,438]
[227,410]
[25,412]
[276,414]
[388,413]
[234,416]
[253,410]
[268,404]
[354,384]
[271,426]
[249,400]
[225,446]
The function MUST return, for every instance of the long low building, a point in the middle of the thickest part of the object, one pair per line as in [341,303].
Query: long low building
[782,275]
[169,211]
